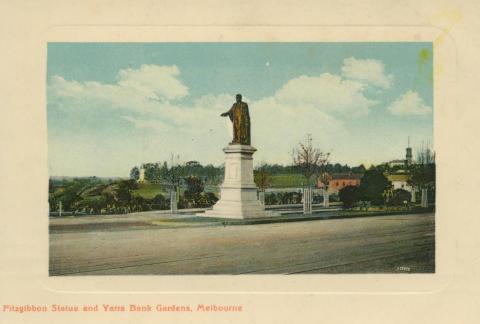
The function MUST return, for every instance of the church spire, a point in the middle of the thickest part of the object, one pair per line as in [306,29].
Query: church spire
[408,155]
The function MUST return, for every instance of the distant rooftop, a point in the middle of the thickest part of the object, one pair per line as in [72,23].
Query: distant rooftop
[340,176]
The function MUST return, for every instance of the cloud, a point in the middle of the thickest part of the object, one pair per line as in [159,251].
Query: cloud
[327,92]
[154,82]
[367,70]
[410,103]
[147,123]
[278,127]
[137,90]
[197,118]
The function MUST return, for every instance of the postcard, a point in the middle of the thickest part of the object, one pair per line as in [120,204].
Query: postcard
[217,171]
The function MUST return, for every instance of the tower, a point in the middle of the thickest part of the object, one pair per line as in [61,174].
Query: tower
[141,177]
[408,156]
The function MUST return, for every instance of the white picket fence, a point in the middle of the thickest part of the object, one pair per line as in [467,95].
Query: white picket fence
[307,200]
[326,198]
[261,197]
[424,198]
[173,202]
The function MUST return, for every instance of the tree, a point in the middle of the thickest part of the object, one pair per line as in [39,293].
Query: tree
[172,175]
[262,178]
[422,174]
[308,159]
[194,188]
[213,174]
[51,186]
[138,203]
[207,199]
[349,195]
[359,169]
[159,202]
[400,197]
[71,193]
[109,197]
[387,195]
[125,189]
[135,173]
[152,172]
[373,185]
[195,196]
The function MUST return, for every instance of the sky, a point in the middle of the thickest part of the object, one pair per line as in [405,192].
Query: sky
[112,106]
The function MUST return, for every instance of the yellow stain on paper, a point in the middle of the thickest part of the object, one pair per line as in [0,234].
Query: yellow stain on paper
[424,55]
[445,19]
[423,73]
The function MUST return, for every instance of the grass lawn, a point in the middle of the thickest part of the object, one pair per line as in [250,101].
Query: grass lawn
[150,190]
[286,180]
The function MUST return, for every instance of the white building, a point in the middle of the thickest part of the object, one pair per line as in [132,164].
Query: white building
[399,181]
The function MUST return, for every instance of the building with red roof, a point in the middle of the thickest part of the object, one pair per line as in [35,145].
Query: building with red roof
[339,181]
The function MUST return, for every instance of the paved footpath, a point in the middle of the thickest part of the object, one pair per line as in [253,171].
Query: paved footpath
[401,243]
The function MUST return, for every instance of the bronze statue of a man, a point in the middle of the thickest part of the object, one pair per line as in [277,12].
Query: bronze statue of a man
[241,121]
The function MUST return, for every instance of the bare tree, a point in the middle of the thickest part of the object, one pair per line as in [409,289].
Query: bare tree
[422,173]
[425,155]
[309,159]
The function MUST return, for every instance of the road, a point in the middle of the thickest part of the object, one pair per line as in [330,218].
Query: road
[380,244]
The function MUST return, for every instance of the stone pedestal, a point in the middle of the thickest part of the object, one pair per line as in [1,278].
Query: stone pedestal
[238,193]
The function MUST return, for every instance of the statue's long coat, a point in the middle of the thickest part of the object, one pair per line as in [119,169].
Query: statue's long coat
[241,123]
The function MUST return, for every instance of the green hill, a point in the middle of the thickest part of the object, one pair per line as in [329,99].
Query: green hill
[150,190]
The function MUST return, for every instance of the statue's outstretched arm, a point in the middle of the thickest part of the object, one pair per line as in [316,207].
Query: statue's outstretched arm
[228,113]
